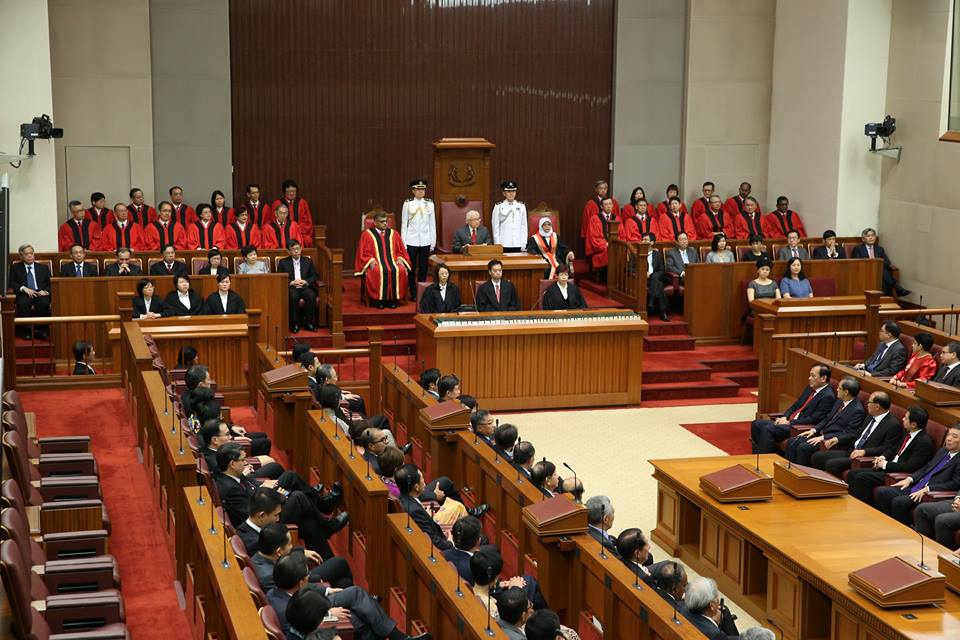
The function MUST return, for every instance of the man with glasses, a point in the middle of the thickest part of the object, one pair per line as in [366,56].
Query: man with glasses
[879,430]
[889,357]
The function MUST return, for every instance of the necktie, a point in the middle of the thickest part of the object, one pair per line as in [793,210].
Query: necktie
[870,250]
[496,289]
[473,236]
[867,433]
[903,446]
[880,355]
[795,253]
[79,271]
[796,413]
[922,482]
[169,268]
[31,280]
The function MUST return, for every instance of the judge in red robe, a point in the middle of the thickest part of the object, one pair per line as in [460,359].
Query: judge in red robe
[702,203]
[261,213]
[78,230]
[734,205]
[782,220]
[164,230]
[637,221]
[243,233]
[299,211]
[140,212]
[182,212]
[98,211]
[278,234]
[382,259]
[676,221]
[205,233]
[749,222]
[598,230]
[122,232]
[673,191]
[593,205]
[222,214]
[714,220]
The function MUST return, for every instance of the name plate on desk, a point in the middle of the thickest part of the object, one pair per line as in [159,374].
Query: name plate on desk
[899,582]
[446,416]
[807,482]
[556,516]
[483,249]
[738,483]
[938,394]
[291,377]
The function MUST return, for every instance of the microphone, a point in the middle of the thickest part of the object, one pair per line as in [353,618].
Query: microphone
[922,564]
[489,588]
[603,515]
[268,340]
[173,423]
[165,410]
[213,527]
[758,453]
[519,475]
[225,563]
[368,469]
[423,365]
[409,530]
[432,557]
[459,592]
[180,451]
[675,619]
[636,576]
[276,338]
[834,348]
[200,499]
[577,499]
[349,448]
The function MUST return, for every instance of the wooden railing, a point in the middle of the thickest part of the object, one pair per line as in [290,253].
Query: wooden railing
[940,322]
[330,268]
[626,283]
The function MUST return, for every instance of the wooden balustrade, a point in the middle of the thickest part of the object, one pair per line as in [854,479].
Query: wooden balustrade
[625,282]
[943,331]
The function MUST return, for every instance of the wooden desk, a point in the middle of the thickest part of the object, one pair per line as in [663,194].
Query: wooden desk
[715,298]
[403,398]
[787,560]
[523,270]
[589,358]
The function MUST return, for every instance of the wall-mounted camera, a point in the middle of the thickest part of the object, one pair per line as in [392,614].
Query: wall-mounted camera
[41,128]
[883,130]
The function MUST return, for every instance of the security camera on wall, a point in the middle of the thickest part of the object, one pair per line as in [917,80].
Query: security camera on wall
[884,130]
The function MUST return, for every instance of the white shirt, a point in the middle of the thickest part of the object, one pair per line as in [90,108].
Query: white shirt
[184,299]
[684,256]
[418,224]
[251,525]
[443,292]
[649,263]
[913,434]
[509,223]
[146,304]
[223,299]
[563,290]
[296,268]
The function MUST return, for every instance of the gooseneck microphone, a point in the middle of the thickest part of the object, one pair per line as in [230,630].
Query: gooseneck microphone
[576,495]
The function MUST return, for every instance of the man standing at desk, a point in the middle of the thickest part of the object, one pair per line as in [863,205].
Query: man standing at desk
[418,227]
[509,219]
[497,294]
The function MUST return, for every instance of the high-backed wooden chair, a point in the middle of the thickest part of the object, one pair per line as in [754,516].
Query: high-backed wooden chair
[542,209]
[238,260]
[108,261]
[366,219]
[63,261]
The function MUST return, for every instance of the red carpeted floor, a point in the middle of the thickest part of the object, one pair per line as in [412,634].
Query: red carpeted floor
[732,437]
[137,541]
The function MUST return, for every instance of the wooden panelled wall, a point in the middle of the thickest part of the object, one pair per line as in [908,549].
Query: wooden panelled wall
[346,97]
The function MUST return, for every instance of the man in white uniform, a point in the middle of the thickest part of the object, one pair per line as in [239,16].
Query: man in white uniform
[418,228]
[509,219]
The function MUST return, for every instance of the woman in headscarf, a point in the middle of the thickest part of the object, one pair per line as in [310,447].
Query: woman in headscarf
[546,243]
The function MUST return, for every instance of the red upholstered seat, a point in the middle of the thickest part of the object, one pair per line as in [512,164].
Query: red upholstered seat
[544,285]
[271,623]
[823,287]
[253,586]
[744,249]
[542,210]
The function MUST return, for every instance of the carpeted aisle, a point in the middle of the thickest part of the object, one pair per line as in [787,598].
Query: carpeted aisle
[137,541]
[732,437]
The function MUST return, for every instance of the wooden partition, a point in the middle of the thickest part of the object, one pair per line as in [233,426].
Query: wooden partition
[523,270]
[402,400]
[625,282]
[942,321]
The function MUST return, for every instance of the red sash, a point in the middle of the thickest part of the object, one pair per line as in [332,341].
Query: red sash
[549,251]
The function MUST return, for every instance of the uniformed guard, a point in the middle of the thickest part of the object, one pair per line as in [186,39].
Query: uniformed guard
[419,232]
[509,219]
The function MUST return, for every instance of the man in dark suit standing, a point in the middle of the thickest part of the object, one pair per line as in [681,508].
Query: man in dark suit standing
[810,408]
[302,277]
[889,357]
[123,266]
[169,266]
[31,282]
[77,268]
[656,275]
[949,372]
[846,416]
[497,294]
[906,456]
[878,432]
[870,249]
[471,233]
[942,473]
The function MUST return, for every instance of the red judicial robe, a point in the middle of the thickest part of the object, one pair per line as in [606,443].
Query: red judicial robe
[383,258]
[224,217]
[142,215]
[113,236]
[598,229]
[184,214]
[276,236]
[157,235]
[733,206]
[708,223]
[632,226]
[300,214]
[663,210]
[700,206]
[205,237]
[745,226]
[591,209]
[261,214]
[86,233]
[237,238]
[101,216]
[673,225]
[777,225]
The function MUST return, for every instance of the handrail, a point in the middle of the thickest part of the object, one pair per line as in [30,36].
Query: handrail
[66,319]
[925,311]
[819,334]
[331,352]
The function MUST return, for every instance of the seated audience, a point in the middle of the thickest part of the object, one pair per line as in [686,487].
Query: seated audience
[205,233]
[410,482]
[592,207]
[921,365]
[793,248]
[949,372]
[719,253]
[670,583]
[351,403]
[782,220]
[78,267]
[83,354]
[890,356]
[121,232]
[299,211]
[473,232]
[675,220]
[563,294]
[302,278]
[448,387]
[383,261]
[242,232]
[940,520]
[598,230]
[656,278]
[829,250]
[215,433]
[633,549]
[513,609]
[600,516]
[505,439]
[223,300]
[469,402]
[497,294]
[795,283]
[181,211]
[279,232]
[305,612]
[844,421]
[78,230]
[123,265]
[251,263]
[734,205]
[545,625]
[216,265]
[637,219]
[544,477]
[758,251]
[712,219]
[870,249]
[169,266]
[429,379]
[663,208]
[523,455]
[547,244]
[485,566]
[222,214]
[259,211]
[31,282]
[706,611]
[810,408]
[274,542]
[98,211]
[442,296]
[681,255]
[747,222]
[702,204]
[483,425]
[144,304]
[758,633]
[140,212]
[183,300]
[879,430]
[165,230]
[762,287]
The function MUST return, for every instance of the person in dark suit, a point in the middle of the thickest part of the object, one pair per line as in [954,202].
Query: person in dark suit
[83,353]
[223,300]
[215,264]
[879,430]
[870,249]
[706,611]
[30,280]
[410,482]
[656,278]
[183,300]
[123,266]
[600,515]
[497,294]
[829,250]
[889,357]
[563,294]
[681,255]
[793,248]
[845,417]
[486,564]
[670,583]
[633,549]
[942,473]
[77,268]
[144,304]
[442,296]
[466,535]
[302,277]
[473,232]
[810,408]
[169,266]
[949,371]
[905,456]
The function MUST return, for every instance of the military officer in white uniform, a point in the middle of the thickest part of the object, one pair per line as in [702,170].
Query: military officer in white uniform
[419,232]
[509,219]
